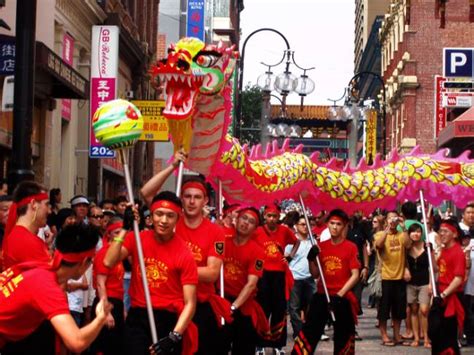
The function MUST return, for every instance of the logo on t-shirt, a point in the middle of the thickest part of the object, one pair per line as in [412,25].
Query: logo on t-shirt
[232,269]
[271,249]
[258,265]
[219,247]
[332,264]
[442,267]
[156,272]
[9,282]
[195,250]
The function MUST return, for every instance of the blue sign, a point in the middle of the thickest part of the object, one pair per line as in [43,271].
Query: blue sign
[458,62]
[7,56]
[195,25]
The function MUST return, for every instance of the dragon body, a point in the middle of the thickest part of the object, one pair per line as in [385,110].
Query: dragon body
[201,74]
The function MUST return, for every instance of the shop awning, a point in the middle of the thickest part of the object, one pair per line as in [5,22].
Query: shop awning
[459,130]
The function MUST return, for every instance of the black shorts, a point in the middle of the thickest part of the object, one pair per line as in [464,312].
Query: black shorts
[393,303]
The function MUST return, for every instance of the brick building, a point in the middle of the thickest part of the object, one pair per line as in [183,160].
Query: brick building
[412,41]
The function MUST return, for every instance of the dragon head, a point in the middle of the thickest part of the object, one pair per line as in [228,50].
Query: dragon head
[192,68]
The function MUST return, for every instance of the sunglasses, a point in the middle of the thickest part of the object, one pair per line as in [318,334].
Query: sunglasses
[98,216]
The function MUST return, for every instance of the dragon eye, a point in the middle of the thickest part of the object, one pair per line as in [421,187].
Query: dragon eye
[206,60]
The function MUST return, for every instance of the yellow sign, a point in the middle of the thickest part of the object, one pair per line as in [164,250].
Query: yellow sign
[371,136]
[155,126]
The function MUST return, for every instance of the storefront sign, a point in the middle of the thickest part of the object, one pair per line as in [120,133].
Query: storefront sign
[371,137]
[7,56]
[195,25]
[68,57]
[104,71]
[155,125]
[440,110]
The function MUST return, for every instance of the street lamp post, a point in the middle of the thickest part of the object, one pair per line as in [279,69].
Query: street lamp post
[351,112]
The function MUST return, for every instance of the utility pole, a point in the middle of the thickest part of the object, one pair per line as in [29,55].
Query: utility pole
[20,162]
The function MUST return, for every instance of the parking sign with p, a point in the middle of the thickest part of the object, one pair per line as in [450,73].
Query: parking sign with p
[458,62]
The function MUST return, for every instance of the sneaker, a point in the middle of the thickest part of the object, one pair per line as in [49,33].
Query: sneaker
[260,351]
[324,337]
[279,352]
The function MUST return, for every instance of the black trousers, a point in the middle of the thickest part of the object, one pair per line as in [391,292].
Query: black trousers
[210,334]
[137,329]
[271,296]
[447,341]
[318,315]
[43,339]
[240,337]
[111,341]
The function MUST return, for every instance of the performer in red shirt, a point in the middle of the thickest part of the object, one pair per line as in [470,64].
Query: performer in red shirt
[276,283]
[34,291]
[243,267]
[229,219]
[340,265]
[172,279]
[452,269]
[205,240]
[27,215]
[108,283]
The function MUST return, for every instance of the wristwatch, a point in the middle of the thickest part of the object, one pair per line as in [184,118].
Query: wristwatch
[176,335]
[443,295]
[233,308]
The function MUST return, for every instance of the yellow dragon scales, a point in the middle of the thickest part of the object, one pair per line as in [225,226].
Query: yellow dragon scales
[198,85]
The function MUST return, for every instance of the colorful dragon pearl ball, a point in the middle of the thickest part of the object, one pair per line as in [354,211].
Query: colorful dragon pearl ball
[117,124]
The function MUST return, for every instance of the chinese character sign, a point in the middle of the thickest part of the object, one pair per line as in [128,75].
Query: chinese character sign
[155,125]
[104,71]
[371,136]
[67,55]
[7,56]
[195,25]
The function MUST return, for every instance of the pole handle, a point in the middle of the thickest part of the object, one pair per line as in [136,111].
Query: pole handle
[428,245]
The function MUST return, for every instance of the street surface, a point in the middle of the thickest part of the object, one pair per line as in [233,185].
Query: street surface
[371,343]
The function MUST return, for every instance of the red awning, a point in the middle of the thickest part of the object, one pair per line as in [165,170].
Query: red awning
[461,128]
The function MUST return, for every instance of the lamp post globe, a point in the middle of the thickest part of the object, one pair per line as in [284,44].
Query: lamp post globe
[285,83]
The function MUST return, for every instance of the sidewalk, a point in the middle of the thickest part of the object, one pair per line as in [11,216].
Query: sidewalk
[371,343]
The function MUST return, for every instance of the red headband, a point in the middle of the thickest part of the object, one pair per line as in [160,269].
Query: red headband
[450,227]
[194,185]
[165,204]
[253,213]
[71,257]
[231,209]
[272,209]
[337,218]
[114,226]
[12,213]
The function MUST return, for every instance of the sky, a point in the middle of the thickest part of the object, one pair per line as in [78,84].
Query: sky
[321,32]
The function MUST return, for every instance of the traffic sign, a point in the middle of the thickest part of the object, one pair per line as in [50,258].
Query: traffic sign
[458,99]
[458,62]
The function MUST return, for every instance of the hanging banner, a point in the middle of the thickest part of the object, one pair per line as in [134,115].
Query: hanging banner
[155,125]
[104,73]
[68,57]
[195,22]
[439,109]
[371,136]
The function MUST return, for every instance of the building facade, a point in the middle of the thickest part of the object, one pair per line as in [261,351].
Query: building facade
[365,13]
[412,41]
[60,138]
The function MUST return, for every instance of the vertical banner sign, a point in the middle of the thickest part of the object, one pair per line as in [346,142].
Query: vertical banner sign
[68,57]
[195,25]
[439,110]
[371,137]
[104,71]
[7,56]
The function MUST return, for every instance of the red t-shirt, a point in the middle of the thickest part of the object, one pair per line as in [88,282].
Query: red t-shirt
[274,243]
[337,261]
[169,266]
[229,232]
[241,261]
[451,263]
[114,283]
[27,300]
[21,246]
[204,241]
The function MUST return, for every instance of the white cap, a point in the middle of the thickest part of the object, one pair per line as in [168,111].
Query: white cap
[79,199]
